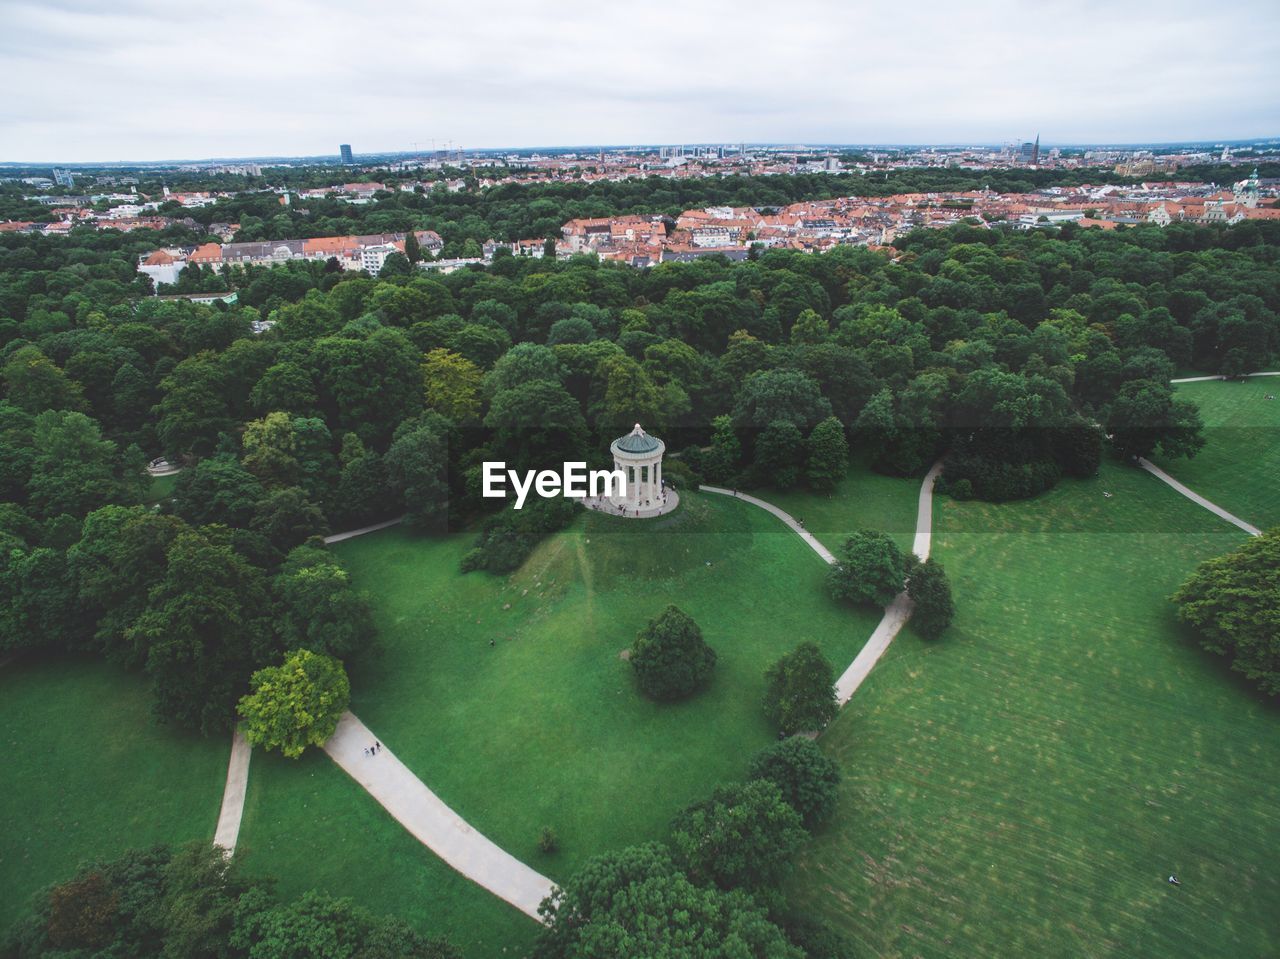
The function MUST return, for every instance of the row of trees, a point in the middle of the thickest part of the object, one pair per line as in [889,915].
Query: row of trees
[195,903]
[197,607]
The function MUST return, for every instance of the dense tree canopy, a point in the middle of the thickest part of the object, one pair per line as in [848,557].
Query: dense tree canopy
[1233,601]
[869,568]
[196,903]
[742,835]
[372,397]
[637,902]
[806,778]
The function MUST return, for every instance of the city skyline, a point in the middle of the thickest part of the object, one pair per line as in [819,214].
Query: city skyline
[105,87]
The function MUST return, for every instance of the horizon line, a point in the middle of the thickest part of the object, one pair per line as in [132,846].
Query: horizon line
[569,147]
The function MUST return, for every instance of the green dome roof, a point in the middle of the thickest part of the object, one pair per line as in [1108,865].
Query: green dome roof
[637,441]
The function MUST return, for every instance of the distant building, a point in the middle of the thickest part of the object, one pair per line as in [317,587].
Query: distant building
[345,150]
[373,257]
[162,266]
[1246,191]
[1029,152]
[63,177]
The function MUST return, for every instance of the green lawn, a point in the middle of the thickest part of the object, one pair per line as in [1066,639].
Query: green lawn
[862,500]
[1025,785]
[313,827]
[88,774]
[1239,467]
[547,727]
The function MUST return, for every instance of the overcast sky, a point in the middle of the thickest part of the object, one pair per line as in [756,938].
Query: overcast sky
[146,80]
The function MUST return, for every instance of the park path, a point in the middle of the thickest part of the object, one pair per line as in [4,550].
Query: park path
[896,613]
[426,816]
[228,829]
[353,533]
[1195,497]
[432,822]
[1206,379]
[783,515]
[1186,491]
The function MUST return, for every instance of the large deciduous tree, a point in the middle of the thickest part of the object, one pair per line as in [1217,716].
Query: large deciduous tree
[928,588]
[205,628]
[800,692]
[536,425]
[217,490]
[772,395]
[807,779]
[779,454]
[743,835]
[452,384]
[670,657]
[74,469]
[319,608]
[418,472]
[869,568]
[1145,416]
[1233,601]
[34,383]
[120,556]
[828,455]
[296,704]
[636,902]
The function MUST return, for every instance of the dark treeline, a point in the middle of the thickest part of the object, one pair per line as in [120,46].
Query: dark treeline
[375,397]
[195,902]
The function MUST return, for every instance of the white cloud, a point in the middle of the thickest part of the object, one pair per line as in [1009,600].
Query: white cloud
[141,79]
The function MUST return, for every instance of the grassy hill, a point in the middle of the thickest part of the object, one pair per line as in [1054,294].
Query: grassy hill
[545,727]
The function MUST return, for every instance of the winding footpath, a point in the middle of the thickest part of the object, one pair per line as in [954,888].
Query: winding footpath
[432,822]
[1196,498]
[1208,379]
[228,830]
[1186,491]
[353,533]
[786,517]
[896,613]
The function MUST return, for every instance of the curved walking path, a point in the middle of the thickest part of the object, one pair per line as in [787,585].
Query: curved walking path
[1195,497]
[896,613]
[1186,491]
[783,515]
[353,533]
[1206,379]
[228,829]
[432,822]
